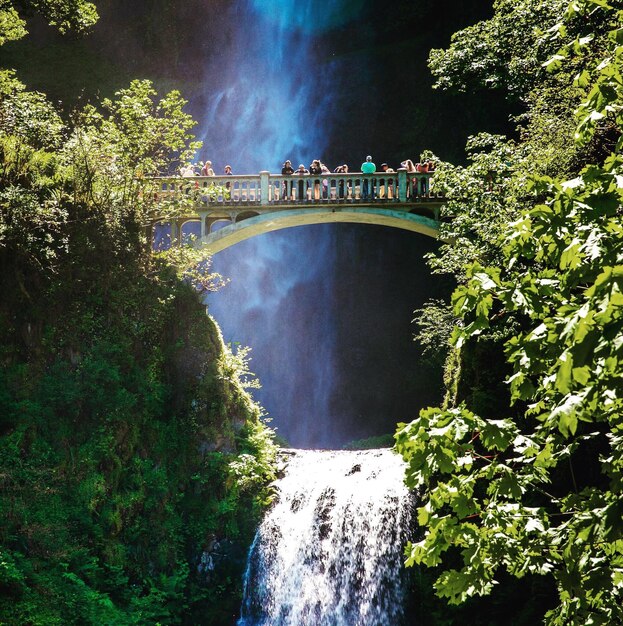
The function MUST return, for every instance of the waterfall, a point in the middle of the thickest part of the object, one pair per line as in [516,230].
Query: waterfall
[270,88]
[271,85]
[329,551]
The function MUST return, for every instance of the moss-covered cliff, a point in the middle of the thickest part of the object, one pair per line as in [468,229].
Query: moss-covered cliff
[133,468]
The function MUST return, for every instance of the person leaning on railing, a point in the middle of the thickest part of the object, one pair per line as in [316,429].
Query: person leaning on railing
[315,169]
[287,170]
[207,170]
[325,181]
[390,182]
[423,168]
[411,180]
[228,172]
[301,171]
[186,171]
[341,169]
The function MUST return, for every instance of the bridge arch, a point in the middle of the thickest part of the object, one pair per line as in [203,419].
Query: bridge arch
[269,222]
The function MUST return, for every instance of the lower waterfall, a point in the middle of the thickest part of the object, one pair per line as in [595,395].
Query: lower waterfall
[329,551]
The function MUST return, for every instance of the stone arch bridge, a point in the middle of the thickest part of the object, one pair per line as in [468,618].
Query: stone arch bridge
[224,210]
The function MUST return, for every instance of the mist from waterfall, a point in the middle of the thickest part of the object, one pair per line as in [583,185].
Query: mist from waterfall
[329,552]
[269,91]
[269,95]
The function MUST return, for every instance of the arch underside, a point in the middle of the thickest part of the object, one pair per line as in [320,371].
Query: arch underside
[278,220]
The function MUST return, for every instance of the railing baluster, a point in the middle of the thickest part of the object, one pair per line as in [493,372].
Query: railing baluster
[402,184]
[264,199]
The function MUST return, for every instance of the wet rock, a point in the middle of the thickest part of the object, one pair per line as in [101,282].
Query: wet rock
[355,468]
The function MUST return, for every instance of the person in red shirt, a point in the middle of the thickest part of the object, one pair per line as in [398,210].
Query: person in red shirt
[424,179]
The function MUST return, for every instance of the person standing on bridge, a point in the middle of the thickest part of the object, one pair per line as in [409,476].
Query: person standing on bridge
[301,171]
[315,169]
[207,170]
[228,172]
[390,182]
[287,170]
[411,180]
[187,170]
[423,169]
[367,167]
[325,181]
[341,169]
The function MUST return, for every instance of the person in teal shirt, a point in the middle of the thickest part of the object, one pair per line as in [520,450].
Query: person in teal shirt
[367,167]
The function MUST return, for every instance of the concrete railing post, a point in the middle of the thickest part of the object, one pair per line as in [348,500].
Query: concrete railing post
[264,199]
[402,184]
[176,233]
[202,217]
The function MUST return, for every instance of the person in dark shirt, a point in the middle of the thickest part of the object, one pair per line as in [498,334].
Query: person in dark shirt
[315,169]
[287,170]
[341,169]
[424,179]
[228,172]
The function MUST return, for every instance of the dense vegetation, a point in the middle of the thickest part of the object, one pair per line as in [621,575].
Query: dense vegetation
[133,462]
[521,469]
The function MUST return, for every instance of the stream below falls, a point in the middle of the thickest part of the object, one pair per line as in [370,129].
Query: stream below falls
[330,550]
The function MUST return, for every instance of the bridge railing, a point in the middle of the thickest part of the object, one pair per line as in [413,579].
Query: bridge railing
[266,189]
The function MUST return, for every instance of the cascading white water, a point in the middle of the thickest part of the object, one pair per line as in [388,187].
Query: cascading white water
[329,551]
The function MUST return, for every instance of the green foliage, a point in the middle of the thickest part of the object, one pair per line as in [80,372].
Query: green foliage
[476,216]
[12,27]
[534,487]
[28,115]
[65,15]
[191,265]
[129,445]
[435,321]
[101,471]
[108,155]
[234,364]
[255,467]
[144,133]
[489,481]
[508,51]
[371,443]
